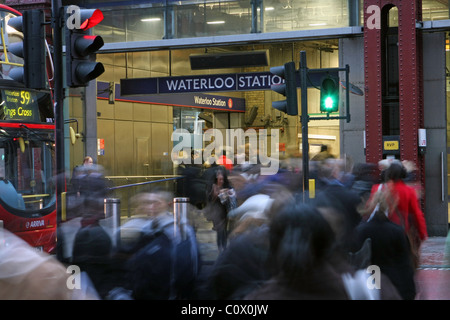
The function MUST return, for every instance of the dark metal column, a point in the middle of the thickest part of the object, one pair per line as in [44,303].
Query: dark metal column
[57,24]
[304,122]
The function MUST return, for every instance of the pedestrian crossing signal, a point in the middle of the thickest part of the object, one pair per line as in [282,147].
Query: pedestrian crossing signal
[32,74]
[329,95]
[81,47]
[287,89]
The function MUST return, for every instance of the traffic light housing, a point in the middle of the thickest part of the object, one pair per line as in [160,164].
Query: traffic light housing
[81,46]
[329,94]
[33,73]
[288,88]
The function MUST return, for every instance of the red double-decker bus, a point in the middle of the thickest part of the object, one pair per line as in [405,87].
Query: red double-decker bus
[27,151]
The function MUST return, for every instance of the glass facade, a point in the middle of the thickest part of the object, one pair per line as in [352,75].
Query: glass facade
[156,20]
[185,19]
[435,10]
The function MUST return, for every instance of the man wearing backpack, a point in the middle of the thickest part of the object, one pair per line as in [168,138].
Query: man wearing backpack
[162,265]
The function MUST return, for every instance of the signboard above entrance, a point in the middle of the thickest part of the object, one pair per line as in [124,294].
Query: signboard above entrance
[193,100]
[208,83]
[199,83]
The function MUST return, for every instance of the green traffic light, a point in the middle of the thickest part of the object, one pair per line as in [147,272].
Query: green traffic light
[329,103]
[329,95]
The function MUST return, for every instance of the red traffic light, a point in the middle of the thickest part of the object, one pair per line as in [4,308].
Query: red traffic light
[87,44]
[90,18]
[81,46]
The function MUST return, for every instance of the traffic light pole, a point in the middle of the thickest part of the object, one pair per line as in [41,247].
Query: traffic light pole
[58,92]
[304,120]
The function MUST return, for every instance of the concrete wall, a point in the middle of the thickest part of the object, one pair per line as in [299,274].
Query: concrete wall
[435,115]
[351,52]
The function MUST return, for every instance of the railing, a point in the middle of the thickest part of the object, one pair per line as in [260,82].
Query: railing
[124,192]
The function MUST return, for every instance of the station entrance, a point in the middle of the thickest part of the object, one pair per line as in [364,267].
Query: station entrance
[149,122]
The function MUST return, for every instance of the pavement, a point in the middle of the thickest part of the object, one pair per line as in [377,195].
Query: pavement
[433,274]
[206,238]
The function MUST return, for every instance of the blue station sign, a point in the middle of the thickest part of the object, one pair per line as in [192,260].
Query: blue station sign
[200,83]
[251,81]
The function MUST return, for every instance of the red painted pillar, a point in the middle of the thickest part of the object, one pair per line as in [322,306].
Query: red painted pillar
[373,83]
[410,79]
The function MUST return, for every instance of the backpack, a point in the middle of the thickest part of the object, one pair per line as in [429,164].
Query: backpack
[164,268]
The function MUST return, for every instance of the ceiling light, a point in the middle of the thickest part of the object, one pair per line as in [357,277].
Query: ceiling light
[216,22]
[267,9]
[150,19]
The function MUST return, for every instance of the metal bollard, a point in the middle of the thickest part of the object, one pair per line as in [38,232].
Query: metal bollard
[112,210]
[2,237]
[180,210]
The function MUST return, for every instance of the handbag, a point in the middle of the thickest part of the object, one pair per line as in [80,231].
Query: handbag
[231,202]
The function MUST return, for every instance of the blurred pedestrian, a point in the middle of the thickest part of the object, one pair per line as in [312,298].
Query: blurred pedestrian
[221,199]
[192,185]
[339,206]
[300,242]
[411,179]
[404,209]
[80,171]
[92,247]
[87,161]
[345,173]
[224,160]
[164,261]
[327,173]
[244,264]
[253,212]
[390,247]
[26,274]
[365,176]
[382,167]
[241,267]
[149,208]
[301,247]
[325,153]
[88,180]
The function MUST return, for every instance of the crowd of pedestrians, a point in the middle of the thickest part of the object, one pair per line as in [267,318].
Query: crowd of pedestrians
[272,241]
[279,246]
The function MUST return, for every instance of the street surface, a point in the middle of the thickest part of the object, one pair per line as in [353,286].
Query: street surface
[433,275]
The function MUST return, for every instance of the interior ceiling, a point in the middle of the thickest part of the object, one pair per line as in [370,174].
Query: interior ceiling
[332,44]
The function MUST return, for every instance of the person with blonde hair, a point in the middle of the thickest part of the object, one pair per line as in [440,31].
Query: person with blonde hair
[403,206]
[390,247]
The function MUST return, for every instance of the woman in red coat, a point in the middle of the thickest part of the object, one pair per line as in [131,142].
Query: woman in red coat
[404,208]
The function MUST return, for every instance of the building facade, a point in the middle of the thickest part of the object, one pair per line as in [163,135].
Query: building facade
[396,51]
